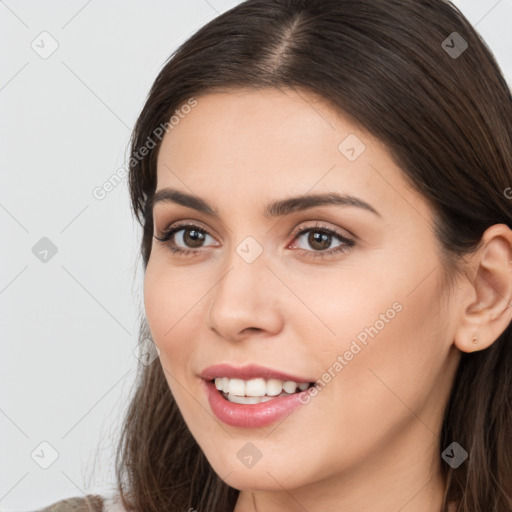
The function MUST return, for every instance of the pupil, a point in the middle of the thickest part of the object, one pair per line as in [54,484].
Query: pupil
[316,238]
[196,238]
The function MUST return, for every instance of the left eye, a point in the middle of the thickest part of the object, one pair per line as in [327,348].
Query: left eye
[320,240]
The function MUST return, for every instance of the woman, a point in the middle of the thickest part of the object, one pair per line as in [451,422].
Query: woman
[324,192]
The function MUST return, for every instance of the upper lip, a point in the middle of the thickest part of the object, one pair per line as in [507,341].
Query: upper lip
[251,371]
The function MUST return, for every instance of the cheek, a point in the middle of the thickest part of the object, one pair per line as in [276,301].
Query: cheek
[391,352]
[170,305]
[380,380]
[170,301]
[375,331]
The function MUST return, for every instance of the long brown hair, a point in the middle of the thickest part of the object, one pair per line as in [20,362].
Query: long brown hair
[444,110]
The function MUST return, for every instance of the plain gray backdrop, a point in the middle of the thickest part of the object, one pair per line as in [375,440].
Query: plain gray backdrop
[73,78]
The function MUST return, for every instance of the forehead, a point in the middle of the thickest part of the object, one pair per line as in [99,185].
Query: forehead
[273,143]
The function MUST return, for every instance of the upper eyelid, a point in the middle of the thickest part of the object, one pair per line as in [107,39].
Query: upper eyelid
[183,225]
[320,225]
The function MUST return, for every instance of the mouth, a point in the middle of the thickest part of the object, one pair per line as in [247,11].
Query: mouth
[253,396]
[257,390]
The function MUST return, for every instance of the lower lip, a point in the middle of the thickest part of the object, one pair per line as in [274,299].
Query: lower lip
[252,415]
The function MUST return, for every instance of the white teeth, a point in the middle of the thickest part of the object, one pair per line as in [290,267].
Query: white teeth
[258,387]
[236,387]
[255,387]
[251,399]
[274,387]
[244,399]
[289,386]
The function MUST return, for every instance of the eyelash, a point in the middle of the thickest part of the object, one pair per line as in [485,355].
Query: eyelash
[165,239]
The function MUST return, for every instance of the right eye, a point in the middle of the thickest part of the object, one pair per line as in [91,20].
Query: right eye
[190,236]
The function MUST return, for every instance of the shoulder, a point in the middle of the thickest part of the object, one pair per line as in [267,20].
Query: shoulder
[89,503]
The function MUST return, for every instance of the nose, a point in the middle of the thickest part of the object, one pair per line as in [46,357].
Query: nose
[244,303]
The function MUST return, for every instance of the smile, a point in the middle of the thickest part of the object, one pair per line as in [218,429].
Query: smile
[253,396]
[258,390]
[253,412]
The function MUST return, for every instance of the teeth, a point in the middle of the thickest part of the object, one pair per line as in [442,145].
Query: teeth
[245,399]
[257,388]
[274,387]
[289,386]
[236,387]
[251,399]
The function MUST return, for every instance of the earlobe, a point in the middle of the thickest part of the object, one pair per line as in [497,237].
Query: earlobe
[486,306]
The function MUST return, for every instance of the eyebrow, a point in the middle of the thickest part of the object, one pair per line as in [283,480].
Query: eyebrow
[275,209]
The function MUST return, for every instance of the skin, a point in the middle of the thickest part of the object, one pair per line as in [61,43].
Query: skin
[368,442]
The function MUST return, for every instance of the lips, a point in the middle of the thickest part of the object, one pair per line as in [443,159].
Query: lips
[248,372]
[252,415]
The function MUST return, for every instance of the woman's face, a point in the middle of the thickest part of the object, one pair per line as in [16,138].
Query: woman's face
[346,294]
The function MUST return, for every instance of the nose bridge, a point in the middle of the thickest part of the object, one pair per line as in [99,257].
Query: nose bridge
[245,275]
[243,297]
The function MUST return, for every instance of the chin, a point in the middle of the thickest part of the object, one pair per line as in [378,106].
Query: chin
[269,473]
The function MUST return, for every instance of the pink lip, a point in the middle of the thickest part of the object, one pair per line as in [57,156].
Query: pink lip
[247,372]
[251,415]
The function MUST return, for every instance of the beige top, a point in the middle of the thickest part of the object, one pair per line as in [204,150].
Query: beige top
[90,503]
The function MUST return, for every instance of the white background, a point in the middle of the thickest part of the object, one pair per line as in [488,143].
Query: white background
[69,325]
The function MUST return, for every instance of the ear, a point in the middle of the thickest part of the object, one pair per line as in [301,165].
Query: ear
[486,295]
